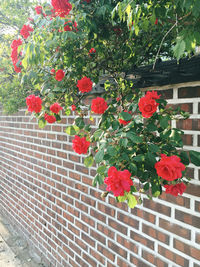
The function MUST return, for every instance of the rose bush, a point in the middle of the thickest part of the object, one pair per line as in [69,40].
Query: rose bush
[135,147]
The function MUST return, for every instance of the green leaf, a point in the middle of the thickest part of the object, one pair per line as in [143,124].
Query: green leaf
[100,179]
[179,48]
[101,169]
[133,137]
[112,151]
[80,123]
[72,130]
[42,123]
[184,158]
[133,168]
[146,187]
[123,142]
[164,122]
[139,158]
[125,116]
[195,157]
[154,148]
[122,198]
[98,133]
[88,162]
[132,202]
[99,156]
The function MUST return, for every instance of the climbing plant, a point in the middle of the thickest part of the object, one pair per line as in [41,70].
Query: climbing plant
[68,46]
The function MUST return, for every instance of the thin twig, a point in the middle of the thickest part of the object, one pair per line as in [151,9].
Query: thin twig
[162,43]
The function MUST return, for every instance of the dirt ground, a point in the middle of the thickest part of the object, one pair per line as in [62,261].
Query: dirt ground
[14,250]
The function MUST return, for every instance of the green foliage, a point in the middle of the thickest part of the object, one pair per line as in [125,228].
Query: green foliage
[123,33]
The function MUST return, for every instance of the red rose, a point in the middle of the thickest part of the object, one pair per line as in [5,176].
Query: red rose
[16,43]
[73,107]
[38,9]
[118,181]
[61,7]
[175,189]
[118,99]
[88,1]
[52,71]
[25,31]
[99,105]
[34,103]
[80,145]
[49,118]
[123,121]
[153,95]
[92,51]
[69,27]
[55,108]
[17,69]
[156,21]
[169,168]
[84,85]
[59,75]
[147,104]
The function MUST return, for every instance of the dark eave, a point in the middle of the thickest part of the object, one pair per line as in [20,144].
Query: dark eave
[167,72]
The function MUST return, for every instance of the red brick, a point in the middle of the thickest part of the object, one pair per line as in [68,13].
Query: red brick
[125,242]
[187,218]
[106,231]
[179,200]
[118,250]
[157,207]
[98,215]
[89,260]
[189,92]
[175,228]
[97,256]
[138,262]
[117,226]
[193,190]
[141,239]
[143,214]
[106,253]
[122,263]
[127,220]
[187,249]
[105,209]
[154,233]
[87,239]
[181,261]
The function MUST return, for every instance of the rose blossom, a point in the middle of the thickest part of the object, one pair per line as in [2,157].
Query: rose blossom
[92,51]
[59,75]
[25,31]
[84,85]
[55,108]
[52,71]
[49,118]
[38,9]
[175,189]
[80,145]
[99,105]
[34,103]
[118,181]
[73,107]
[169,168]
[16,43]
[148,105]
[61,7]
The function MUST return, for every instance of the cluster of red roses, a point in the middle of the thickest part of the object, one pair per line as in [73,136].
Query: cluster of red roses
[14,54]
[34,104]
[168,168]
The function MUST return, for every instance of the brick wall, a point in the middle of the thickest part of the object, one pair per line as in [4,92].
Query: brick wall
[47,193]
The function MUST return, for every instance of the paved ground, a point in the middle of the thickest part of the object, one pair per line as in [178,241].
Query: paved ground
[14,250]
